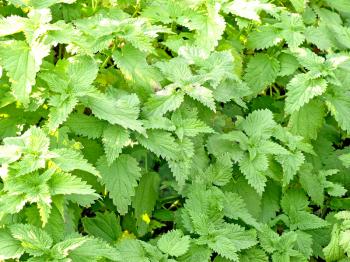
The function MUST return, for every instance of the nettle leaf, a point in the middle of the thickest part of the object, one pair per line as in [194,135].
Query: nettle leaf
[261,71]
[161,143]
[34,240]
[114,138]
[174,243]
[64,183]
[294,204]
[248,9]
[84,125]
[123,111]
[264,37]
[201,94]
[120,179]
[163,101]
[146,196]
[339,106]
[302,89]
[299,124]
[70,159]
[231,239]
[133,64]
[21,63]
[71,80]
[9,246]
[104,225]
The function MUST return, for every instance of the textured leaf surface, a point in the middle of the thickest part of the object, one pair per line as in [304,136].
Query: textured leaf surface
[120,179]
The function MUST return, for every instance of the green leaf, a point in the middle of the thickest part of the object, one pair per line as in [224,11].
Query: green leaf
[120,179]
[196,253]
[11,25]
[132,62]
[189,127]
[312,185]
[248,9]
[259,124]
[161,143]
[333,251]
[235,208]
[123,111]
[299,123]
[65,184]
[253,254]
[301,89]
[104,225]
[162,102]
[70,159]
[341,5]
[146,195]
[21,64]
[345,159]
[60,110]
[209,28]
[114,138]
[174,243]
[202,94]
[264,37]
[290,164]
[339,106]
[84,125]
[253,171]
[230,239]
[289,64]
[131,250]
[9,247]
[94,249]
[304,244]
[261,71]
[34,240]
[299,5]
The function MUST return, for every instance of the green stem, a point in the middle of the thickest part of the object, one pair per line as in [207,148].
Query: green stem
[105,62]
[146,162]
[60,51]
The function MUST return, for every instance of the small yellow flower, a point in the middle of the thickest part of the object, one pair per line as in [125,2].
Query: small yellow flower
[127,234]
[25,10]
[145,217]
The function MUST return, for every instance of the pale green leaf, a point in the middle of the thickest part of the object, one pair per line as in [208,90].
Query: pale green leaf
[201,94]
[114,138]
[65,184]
[301,89]
[174,243]
[9,247]
[264,37]
[21,64]
[339,105]
[261,71]
[123,111]
[69,159]
[34,240]
[300,124]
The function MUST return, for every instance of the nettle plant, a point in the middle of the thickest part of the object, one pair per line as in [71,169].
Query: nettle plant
[175,130]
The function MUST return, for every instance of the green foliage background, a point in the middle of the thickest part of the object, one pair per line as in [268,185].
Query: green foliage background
[175,130]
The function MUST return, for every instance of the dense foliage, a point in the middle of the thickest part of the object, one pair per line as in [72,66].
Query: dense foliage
[175,130]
